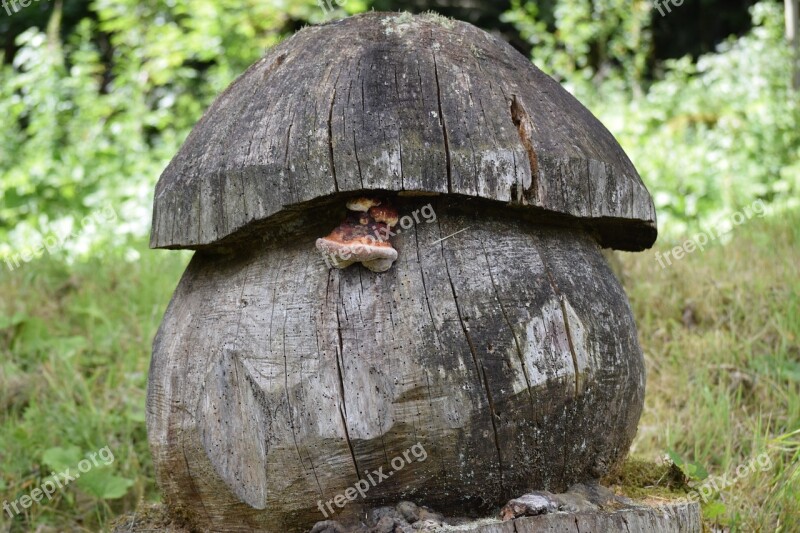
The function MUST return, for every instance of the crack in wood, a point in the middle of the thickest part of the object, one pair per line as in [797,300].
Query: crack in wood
[564,314]
[571,342]
[478,366]
[289,412]
[330,140]
[493,413]
[343,404]
[444,126]
[524,124]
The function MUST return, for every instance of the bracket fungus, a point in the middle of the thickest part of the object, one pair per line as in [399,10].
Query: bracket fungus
[499,339]
[363,237]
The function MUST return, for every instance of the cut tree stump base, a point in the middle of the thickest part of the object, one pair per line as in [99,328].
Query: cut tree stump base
[580,510]
[674,518]
[583,508]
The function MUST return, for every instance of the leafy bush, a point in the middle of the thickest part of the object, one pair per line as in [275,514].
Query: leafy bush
[710,136]
[585,42]
[92,121]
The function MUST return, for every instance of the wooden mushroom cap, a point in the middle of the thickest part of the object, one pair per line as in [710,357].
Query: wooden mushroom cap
[397,103]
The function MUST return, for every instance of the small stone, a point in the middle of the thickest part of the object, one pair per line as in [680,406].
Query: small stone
[403,527]
[425,526]
[427,514]
[375,515]
[409,511]
[595,493]
[532,504]
[328,526]
[384,525]
[573,503]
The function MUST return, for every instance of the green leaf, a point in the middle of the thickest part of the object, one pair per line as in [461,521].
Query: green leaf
[103,484]
[693,471]
[715,510]
[11,321]
[59,459]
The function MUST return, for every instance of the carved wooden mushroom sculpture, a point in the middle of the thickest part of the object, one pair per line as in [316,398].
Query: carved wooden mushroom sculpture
[499,342]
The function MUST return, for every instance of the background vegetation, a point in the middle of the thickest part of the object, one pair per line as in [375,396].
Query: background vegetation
[96,97]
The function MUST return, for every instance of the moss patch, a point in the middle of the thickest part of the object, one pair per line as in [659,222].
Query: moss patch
[398,24]
[433,16]
[148,517]
[640,479]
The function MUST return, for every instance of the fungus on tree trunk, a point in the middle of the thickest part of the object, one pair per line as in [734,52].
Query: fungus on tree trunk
[363,237]
[500,342]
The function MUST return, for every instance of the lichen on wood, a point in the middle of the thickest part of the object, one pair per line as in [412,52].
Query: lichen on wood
[508,351]
[500,342]
[395,102]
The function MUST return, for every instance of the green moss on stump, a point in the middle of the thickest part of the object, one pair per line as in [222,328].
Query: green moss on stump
[641,480]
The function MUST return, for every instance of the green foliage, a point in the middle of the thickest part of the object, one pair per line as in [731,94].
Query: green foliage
[99,483]
[92,121]
[715,135]
[692,471]
[709,136]
[587,42]
[715,511]
[74,352]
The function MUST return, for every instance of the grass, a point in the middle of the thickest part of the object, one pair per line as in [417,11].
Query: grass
[721,334]
[720,330]
[74,346]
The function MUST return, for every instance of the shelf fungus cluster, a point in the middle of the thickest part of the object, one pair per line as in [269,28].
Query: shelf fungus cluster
[363,237]
[494,334]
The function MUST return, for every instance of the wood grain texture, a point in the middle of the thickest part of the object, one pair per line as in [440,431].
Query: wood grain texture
[676,518]
[507,350]
[396,103]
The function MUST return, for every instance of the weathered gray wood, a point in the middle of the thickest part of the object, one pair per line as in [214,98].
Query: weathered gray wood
[398,103]
[675,518]
[508,351]
[672,518]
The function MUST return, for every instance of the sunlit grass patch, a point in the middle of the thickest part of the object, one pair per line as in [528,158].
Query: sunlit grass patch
[75,348]
[721,334]
[719,329]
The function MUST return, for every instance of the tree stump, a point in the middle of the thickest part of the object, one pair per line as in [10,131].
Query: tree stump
[676,518]
[498,355]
